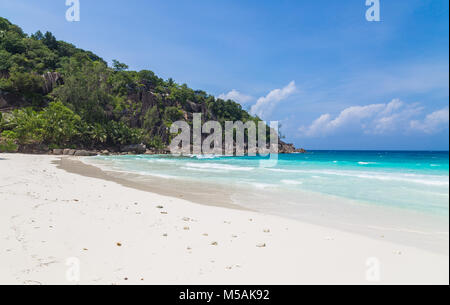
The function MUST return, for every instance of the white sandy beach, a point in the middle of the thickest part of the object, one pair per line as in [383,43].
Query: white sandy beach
[122,235]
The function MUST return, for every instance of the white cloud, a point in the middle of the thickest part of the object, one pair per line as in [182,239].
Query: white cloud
[433,122]
[377,119]
[236,96]
[266,104]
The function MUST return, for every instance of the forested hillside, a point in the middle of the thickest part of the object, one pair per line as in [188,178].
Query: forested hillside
[55,95]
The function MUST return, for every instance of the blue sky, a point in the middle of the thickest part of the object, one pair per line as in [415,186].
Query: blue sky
[333,79]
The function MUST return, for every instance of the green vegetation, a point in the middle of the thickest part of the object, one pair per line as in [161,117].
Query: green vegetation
[92,105]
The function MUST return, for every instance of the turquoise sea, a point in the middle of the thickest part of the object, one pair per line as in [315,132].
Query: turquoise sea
[416,181]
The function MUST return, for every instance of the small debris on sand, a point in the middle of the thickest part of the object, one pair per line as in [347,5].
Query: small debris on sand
[186,228]
[160,207]
[266,231]
[214,243]
[262,245]
[186,219]
[119,245]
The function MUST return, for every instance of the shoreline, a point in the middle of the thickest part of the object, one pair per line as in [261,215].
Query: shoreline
[49,215]
[76,166]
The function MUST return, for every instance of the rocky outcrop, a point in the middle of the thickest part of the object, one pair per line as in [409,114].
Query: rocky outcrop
[84,153]
[73,152]
[284,148]
[69,152]
[136,148]
[4,74]
[3,102]
[33,149]
[10,101]
[51,81]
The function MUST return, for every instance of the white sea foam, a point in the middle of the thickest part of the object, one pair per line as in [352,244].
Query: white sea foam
[411,178]
[205,170]
[284,170]
[154,160]
[261,185]
[157,175]
[204,156]
[219,166]
[291,182]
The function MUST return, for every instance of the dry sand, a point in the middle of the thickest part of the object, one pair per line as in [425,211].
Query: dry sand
[53,221]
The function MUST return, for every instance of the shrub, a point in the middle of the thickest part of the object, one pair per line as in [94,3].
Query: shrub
[61,125]
[28,126]
[26,83]
[7,142]
[5,60]
[55,125]
[151,119]
[172,114]
[120,134]
[94,134]
[154,142]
